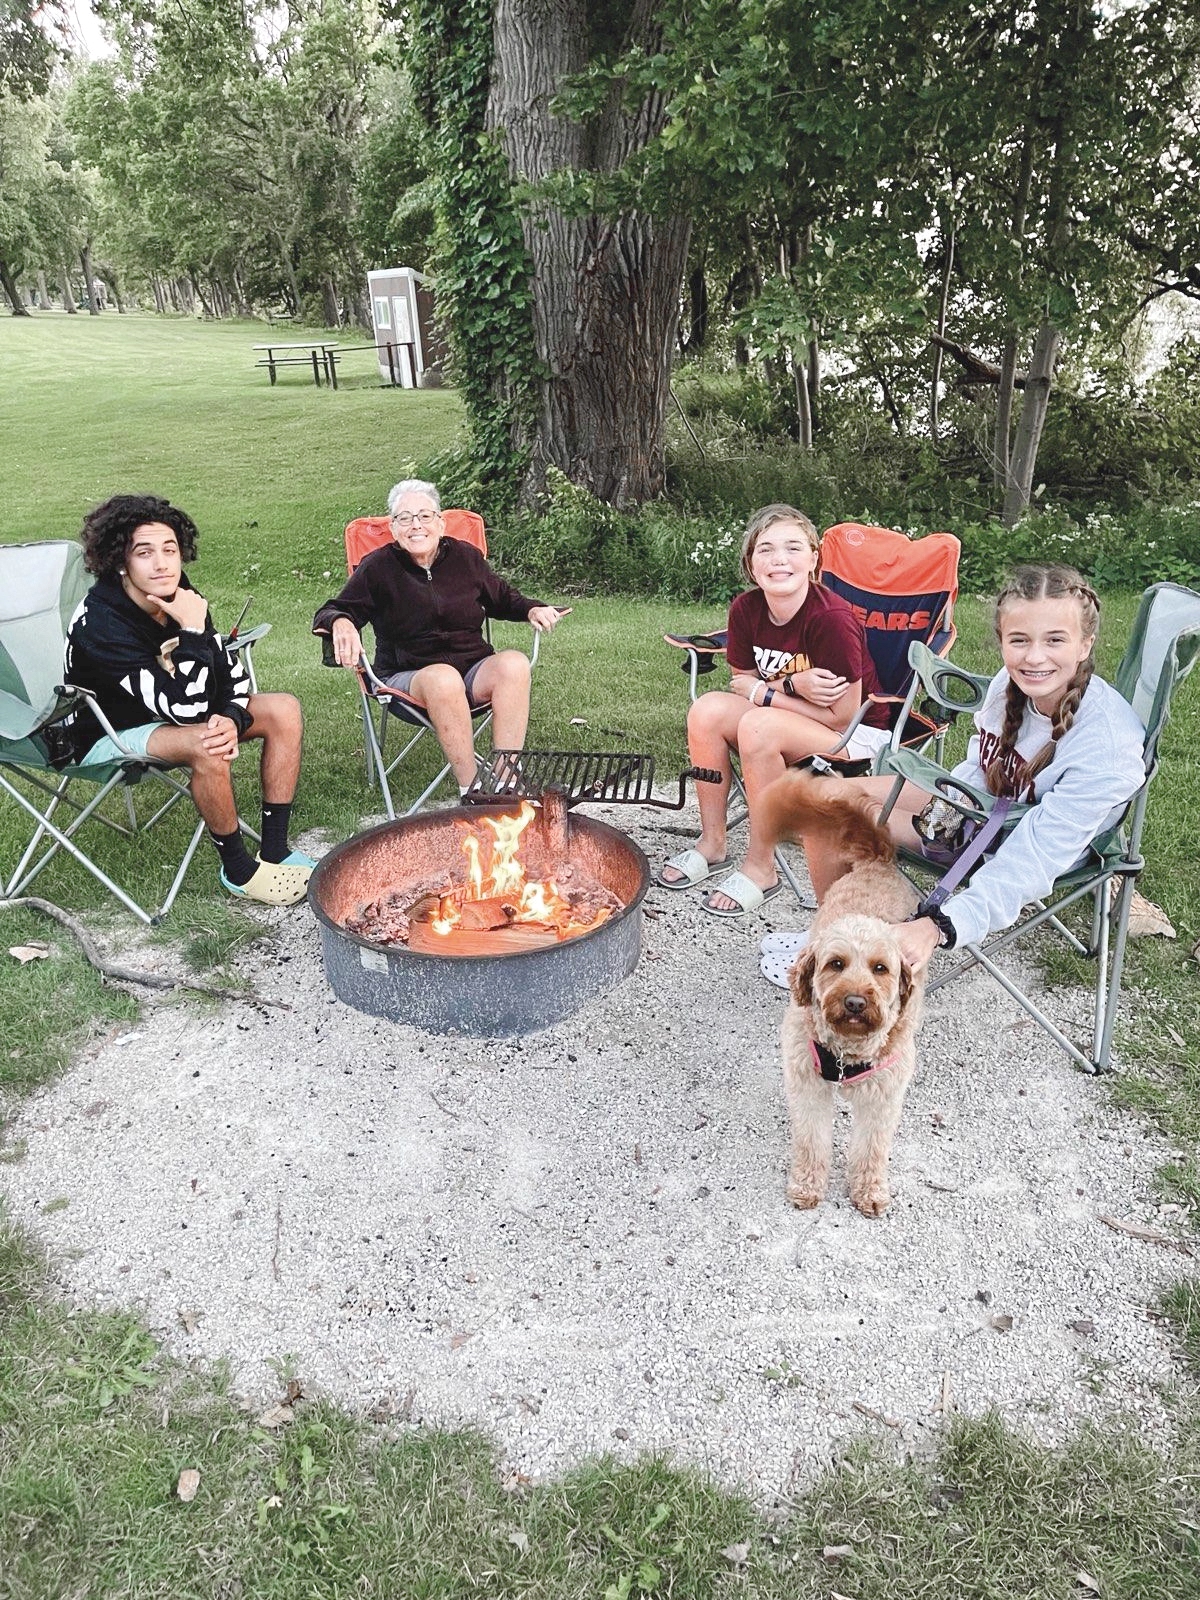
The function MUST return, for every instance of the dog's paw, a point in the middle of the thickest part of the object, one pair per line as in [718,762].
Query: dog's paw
[872,1199]
[804,1194]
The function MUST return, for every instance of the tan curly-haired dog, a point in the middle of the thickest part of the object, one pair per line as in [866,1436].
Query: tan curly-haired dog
[855,1005]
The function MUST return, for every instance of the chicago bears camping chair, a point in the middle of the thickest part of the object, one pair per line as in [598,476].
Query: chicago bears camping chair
[379,703]
[1163,648]
[41,585]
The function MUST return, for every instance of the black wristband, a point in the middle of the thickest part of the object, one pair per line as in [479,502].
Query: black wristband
[948,935]
[768,697]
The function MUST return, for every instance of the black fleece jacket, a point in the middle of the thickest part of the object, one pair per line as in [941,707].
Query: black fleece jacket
[425,614]
[143,671]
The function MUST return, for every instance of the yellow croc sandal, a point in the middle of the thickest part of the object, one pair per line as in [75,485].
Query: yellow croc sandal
[272,884]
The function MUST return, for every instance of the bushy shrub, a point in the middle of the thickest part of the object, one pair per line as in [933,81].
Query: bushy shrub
[1116,551]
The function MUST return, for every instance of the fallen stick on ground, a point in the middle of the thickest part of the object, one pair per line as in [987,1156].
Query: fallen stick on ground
[107,969]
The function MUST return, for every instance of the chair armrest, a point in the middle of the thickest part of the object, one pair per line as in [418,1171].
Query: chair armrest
[951,687]
[247,640]
[702,652]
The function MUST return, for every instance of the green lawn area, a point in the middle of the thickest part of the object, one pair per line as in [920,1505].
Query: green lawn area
[95,1425]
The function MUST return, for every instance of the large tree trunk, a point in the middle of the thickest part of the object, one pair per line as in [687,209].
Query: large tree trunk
[605,289]
[19,308]
[1038,384]
[68,293]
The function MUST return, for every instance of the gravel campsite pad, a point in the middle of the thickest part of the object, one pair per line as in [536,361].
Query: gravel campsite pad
[579,1241]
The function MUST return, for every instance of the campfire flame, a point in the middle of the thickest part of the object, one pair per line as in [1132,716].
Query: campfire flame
[504,879]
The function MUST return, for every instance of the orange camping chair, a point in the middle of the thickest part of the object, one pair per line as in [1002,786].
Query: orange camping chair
[363,535]
[903,592]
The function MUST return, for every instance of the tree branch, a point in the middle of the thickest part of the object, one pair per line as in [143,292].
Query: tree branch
[106,969]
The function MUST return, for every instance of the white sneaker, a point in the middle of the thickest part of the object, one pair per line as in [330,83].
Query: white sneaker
[779,951]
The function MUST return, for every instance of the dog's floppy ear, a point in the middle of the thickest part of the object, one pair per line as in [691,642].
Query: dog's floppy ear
[906,984]
[800,978]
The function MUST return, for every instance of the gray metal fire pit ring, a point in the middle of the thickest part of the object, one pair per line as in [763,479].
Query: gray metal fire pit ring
[493,997]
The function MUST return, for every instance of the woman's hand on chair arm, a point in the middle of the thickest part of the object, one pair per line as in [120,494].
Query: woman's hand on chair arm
[347,643]
[544,619]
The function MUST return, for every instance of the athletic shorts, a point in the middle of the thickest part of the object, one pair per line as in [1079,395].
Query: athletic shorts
[403,680]
[104,752]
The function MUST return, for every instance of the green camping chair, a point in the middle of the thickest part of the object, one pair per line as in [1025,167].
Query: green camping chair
[41,586]
[1162,650]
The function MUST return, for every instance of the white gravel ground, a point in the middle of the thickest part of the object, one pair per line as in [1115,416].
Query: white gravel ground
[579,1242]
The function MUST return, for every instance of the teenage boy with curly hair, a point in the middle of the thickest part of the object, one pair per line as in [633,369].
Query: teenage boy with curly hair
[143,642]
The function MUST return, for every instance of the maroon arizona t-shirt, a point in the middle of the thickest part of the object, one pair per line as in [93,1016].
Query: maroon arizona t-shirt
[823,633]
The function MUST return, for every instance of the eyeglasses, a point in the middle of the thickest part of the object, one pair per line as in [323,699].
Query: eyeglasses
[405,519]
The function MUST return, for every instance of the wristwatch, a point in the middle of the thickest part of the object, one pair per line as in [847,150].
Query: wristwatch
[789,688]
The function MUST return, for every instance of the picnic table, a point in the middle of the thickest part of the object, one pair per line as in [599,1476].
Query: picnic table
[320,352]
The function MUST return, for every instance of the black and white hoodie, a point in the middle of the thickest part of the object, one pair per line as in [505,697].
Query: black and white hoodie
[143,671]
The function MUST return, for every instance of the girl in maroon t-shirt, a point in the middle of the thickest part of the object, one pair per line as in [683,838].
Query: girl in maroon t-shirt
[800,670]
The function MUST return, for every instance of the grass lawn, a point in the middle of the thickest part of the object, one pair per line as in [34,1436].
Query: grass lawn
[95,1425]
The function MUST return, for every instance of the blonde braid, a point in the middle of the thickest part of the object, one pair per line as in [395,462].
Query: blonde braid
[1050,582]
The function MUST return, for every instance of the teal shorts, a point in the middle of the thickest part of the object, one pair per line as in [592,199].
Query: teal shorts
[104,752]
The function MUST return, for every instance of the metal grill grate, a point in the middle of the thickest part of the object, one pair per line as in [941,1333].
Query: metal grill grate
[620,779]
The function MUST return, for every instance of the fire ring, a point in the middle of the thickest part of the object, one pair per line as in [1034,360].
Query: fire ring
[492,996]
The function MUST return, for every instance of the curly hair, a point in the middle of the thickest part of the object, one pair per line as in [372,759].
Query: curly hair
[1044,583]
[108,529]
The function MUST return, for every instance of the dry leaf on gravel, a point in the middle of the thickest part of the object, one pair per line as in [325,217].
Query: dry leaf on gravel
[1083,1325]
[34,951]
[837,1552]
[457,1340]
[1139,1230]
[275,1416]
[189,1482]
[1002,1323]
[738,1554]
[190,1319]
[1146,920]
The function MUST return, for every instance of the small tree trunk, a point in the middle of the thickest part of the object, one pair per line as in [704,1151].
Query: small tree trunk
[68,293]
[330,309]
[43,292]
[943,304]
[160,299]
[244,308]
[814,382]
[89,282]
[698,306]
[1002,435]
[804,430]
[19,308]
[1033,416]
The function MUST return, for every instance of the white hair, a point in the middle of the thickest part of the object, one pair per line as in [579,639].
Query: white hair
[413,486]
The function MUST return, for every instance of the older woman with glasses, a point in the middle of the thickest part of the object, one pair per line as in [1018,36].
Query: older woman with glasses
[426,598]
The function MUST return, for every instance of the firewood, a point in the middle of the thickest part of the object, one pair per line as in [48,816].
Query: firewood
[480,942]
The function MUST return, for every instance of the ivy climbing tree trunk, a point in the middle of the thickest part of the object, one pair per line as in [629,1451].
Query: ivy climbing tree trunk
[605,288]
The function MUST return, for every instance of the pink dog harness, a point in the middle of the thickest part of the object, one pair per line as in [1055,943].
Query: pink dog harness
[834,1070]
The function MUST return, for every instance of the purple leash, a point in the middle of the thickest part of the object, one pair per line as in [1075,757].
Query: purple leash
[963,863]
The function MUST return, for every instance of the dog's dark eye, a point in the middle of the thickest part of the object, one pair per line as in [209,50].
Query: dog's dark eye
[836,964]
[880,966]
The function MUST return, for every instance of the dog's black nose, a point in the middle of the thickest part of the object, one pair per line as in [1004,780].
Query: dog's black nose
[854,1004]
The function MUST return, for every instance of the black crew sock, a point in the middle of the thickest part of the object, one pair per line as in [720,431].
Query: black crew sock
[238,865]
[275,819]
